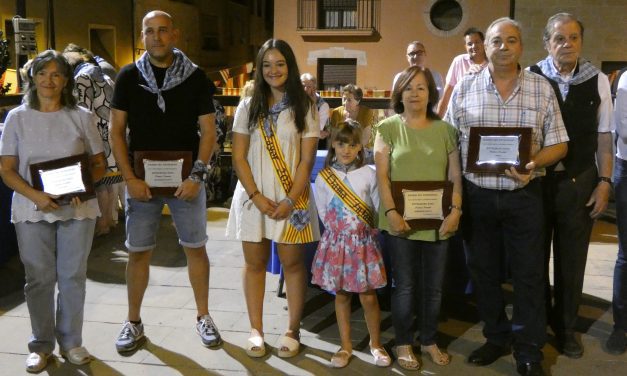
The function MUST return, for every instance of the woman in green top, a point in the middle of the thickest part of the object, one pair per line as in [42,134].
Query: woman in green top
[415,145]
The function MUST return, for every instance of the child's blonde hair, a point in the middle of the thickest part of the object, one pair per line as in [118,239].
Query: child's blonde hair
[348,132]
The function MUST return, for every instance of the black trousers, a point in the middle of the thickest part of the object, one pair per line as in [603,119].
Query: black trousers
[513,220]
[568,229]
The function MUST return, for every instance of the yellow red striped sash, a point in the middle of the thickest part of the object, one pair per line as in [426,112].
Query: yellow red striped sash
[299,224]
[348,197]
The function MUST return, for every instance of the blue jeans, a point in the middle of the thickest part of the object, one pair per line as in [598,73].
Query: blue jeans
[143,218]
[619,298]
[416,265]
[55,255]
[513,219]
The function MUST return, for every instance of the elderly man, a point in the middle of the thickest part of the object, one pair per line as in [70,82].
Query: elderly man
[164,99]
[473,61]
[417,56]
[310,83]
[577,188]
[506,206]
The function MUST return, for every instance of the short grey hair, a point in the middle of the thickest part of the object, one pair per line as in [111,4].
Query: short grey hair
[562,17]
[506,20]
[308,77]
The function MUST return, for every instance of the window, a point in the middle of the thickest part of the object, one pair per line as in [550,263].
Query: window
[337,14]
[445,15]
[333,73]
[353,18]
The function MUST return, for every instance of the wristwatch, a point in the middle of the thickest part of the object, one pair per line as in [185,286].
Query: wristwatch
[605,179]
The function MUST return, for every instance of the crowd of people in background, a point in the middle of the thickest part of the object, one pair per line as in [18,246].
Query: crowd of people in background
[164,103]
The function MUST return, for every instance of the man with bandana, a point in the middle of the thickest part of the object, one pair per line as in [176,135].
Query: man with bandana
[577,188]
[164,99]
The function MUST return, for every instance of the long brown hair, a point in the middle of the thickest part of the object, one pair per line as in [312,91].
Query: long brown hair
[298,101]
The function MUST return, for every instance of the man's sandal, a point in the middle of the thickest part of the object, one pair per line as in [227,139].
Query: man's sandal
[341,358]
[438,357]
[36,362]
[255,345]
[406,358]
[288,346]
[381,357]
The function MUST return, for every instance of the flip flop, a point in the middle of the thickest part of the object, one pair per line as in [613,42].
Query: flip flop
[437,356]
[407,361]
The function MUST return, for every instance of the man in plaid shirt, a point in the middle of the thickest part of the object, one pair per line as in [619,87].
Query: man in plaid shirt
[506,207]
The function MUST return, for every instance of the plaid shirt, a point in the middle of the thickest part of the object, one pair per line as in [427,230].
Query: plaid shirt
[476,102]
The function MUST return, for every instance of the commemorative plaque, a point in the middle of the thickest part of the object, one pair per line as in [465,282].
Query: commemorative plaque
[66,177]
[163,171]
[496,149]
[423,204]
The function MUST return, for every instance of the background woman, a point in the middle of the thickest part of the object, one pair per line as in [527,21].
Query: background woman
[54,240]
[275,133]
[352,110]
[415,145]
[94,91]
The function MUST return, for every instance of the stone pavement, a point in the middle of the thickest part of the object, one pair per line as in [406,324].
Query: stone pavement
[173,347]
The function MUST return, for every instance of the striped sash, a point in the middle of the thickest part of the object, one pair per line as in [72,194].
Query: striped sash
[348,197]
[299,224]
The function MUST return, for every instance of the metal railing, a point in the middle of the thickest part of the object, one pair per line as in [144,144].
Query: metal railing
[355,15]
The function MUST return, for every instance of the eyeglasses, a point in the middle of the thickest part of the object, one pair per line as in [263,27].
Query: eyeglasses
[416,53]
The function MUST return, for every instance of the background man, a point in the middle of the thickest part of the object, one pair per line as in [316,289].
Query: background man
[473,61]
[417,56]
[577,188]
[164,99]
[310,83]
[507,207]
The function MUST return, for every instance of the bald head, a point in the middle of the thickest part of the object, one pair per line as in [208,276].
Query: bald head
[159,37]
[155,14]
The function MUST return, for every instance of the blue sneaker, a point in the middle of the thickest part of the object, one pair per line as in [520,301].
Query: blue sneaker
[208,332]
[130,337]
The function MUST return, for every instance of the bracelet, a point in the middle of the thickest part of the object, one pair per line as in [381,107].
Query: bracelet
[255,193]
[387,211]
[605,179]
[456,207]
[289,201]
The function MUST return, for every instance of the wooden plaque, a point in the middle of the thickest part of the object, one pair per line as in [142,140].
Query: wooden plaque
[36,169]
[474,144]
[399,201]
[138,166]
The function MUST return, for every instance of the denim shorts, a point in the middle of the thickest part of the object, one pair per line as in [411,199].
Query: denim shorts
[143,217]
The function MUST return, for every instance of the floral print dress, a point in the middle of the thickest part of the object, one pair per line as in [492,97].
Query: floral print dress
[348,257]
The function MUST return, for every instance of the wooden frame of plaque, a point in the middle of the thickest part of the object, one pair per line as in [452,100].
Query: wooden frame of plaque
[524,149]
[64,162]
[399,201]
[138,166]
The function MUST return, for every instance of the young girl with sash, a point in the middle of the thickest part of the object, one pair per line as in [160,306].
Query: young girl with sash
[275,136]
[348,259]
